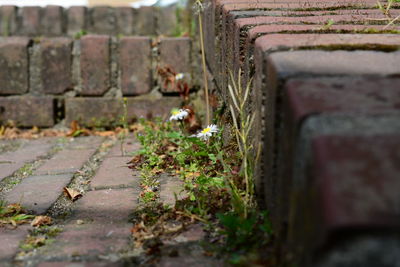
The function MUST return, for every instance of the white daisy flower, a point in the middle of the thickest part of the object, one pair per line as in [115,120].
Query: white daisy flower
[178,115]
[179,76]
[207,132]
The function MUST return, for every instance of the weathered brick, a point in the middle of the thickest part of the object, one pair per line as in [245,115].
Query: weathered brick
[352,184]
[114,173]
[52,21]
[171,187]
[108,111]
[11,239]
[28,111]
[56,64]
[167,20]
[337,63]
[76,18]
[175,53]
[145,21]
[14,65]
[95,64]
[27,152]
[38,198]
[66,161]
[125,20]
[30,21]
[105,228]
[102,20]
[136,65]
[8,20]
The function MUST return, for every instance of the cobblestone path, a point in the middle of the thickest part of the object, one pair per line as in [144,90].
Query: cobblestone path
[95,229]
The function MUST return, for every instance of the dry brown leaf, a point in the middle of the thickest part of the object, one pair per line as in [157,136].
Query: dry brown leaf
[41,220]
[72,193]
[105,133]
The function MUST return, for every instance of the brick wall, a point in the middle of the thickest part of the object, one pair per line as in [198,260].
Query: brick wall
[58,21]
[326,97]
[52,70]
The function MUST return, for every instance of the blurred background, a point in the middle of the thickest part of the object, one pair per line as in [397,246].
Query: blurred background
[132,3]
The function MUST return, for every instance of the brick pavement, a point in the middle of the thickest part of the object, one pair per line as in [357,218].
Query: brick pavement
[97,228]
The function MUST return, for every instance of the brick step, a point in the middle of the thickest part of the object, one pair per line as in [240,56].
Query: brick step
[321,94]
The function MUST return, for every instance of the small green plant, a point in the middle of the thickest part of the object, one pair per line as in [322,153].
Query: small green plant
[124,122]
[79,34]
[13,214]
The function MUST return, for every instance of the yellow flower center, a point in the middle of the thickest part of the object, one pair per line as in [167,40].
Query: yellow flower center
[175,112]
[206,130]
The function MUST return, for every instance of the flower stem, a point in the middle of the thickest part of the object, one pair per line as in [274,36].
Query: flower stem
[203,59]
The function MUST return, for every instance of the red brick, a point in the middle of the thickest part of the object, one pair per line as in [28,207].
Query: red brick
[95,64]
[114,173]
[27,152]
[28,111]
[8,20]
[56,64]
[298,63]
[11,239]
[108,111]
[14,65]
[30,21]
[102,20]
[125,20]
[105,228]
[135,80]
[52,21]
[66,161]
[167,20]
[353,184]
[176,54]
[145,21]
[171,187]
[76,18]
[38,198]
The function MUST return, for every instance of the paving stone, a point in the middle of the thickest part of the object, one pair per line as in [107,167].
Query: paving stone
[29,151]
[28,111]
[76,19]
[170,186]
[14,65]
[30,21]
[8,21]
[105,228]
[10,240]
[66,161]
[52,21]
[56,64]
[80,264]
[72,158]
[114,173]
[135,80]
[38,193]
[108,111]
[95,64]
[130,146]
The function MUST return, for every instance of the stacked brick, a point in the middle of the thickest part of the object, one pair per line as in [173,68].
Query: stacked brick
[326,96]
[46,75]
[58,21]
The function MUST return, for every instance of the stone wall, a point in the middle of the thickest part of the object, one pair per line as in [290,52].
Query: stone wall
[326,97]
[78,63]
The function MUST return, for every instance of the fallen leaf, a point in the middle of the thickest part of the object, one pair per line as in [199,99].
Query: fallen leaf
[72,193]
[41,220]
